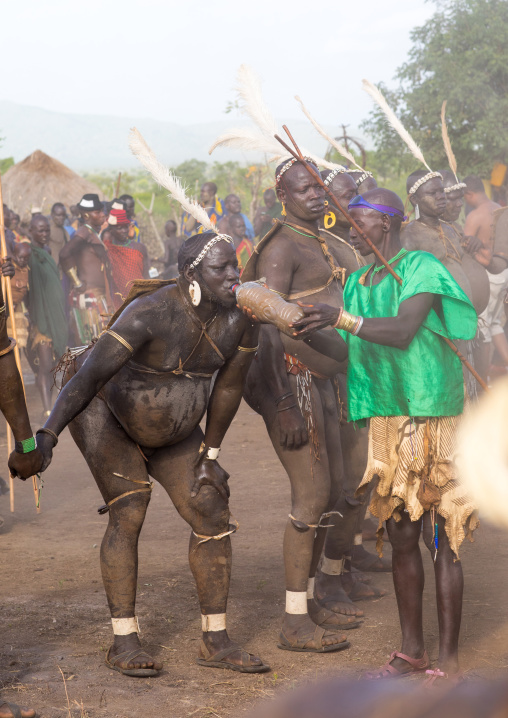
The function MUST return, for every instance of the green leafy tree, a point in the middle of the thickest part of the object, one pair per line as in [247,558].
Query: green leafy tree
[459,55]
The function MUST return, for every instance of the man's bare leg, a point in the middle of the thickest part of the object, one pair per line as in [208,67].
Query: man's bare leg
[409,580]
[210,561]
[346,617]
[111,455]
[44,378]
[310,492]
[449,591]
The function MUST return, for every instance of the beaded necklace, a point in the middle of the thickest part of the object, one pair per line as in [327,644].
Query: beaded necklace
[401,253]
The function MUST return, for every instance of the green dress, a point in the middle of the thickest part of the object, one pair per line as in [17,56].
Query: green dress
[426,378]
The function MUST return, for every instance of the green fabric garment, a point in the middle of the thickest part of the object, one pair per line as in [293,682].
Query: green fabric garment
[46,300]
[426,378]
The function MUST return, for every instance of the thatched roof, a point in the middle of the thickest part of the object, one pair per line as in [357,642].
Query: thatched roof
[40,181]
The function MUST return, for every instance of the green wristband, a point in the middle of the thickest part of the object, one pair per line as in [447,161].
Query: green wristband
[25,446]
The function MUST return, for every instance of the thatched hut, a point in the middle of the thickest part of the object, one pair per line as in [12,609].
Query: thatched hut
[40,181]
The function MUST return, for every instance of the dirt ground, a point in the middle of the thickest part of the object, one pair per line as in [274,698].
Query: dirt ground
[54,618]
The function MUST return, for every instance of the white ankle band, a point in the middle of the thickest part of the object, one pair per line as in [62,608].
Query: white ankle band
[213,622]
[124,626]
[310,589]
[332,567]
[296,602]
[358,539]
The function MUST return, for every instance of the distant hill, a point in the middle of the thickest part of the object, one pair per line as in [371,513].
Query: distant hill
[95,142]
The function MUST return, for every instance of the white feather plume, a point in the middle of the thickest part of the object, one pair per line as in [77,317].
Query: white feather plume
[394,121]
[246,138]
[167,179]
[446,142]
[253,104]
[262,139]
[337,145]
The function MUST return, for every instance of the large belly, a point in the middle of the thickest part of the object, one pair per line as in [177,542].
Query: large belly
[302,351]
[479,281]
[157,409]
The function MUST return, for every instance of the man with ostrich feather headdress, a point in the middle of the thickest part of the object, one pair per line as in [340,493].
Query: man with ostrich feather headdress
[134,401]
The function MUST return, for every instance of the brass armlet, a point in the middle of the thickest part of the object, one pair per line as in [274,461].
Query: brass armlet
[72,273]
[120,339]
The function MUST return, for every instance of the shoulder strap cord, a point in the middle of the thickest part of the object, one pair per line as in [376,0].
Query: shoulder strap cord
[335,236]
[203,326]
[336,271]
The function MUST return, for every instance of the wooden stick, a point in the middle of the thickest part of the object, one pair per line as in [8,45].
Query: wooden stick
[296,153]
[118,185]
[10,304]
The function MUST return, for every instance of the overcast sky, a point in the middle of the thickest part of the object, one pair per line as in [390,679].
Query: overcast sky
[176,60]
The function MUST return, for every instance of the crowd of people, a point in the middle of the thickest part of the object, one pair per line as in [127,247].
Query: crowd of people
[361,397]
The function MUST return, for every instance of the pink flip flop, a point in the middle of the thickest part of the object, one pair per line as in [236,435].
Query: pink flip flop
[418,665]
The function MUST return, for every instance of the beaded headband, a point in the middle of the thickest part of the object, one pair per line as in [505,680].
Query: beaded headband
[334,174]
[459,185]
[289,164]
[208,246]
[363,177]
[422,180]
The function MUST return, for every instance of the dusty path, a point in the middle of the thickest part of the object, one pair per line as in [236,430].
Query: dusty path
[54,616]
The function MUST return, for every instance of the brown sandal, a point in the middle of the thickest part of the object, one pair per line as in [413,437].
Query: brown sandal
[331,620]
[300,644]
[418,665]
[216,660]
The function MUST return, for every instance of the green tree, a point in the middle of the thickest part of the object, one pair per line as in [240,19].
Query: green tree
[459,55]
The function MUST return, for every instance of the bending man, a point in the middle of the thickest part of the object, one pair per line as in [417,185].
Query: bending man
[134,408]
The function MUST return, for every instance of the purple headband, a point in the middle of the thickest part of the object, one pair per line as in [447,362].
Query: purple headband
[360,201]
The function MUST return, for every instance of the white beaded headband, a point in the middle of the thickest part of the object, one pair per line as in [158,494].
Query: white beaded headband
[363,177]
[454,187]
[334,174]
[208,246]
[422,180]
[289,164]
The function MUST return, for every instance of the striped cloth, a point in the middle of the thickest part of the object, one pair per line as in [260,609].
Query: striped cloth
[399,456]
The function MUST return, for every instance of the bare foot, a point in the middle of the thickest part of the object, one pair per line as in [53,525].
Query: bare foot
[329,592]
[7,712]
[216,642]
[131,643]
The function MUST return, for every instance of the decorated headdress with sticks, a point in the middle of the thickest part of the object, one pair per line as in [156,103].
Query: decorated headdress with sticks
[363,174]
[165,178]
[397,125]
[449,152]
[261,137]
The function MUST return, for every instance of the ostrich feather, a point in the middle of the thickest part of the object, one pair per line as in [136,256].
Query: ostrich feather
[167,179]
[394,121]
[246,138]
[447,144]
[253,103]
[337,145]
